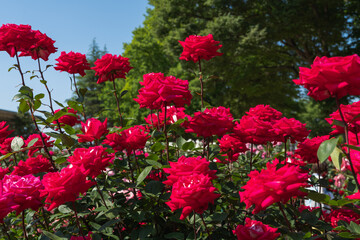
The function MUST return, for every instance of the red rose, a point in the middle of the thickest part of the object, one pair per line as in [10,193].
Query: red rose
[350,113]
[290,128]
[130,139]
[255,230]
[16,38]
[4,133]
[42,47]
[186,166]
[251,129]
[91,161]
[110,67]
[346,215]
[173,114]
[232,146]
[307,150]
[199,47]
[159,91]
[215,121]
[32,165]
[273,185]
[264,113]
[331,77]
[69,119]
[72,63]
[192,193]
[93,129]
[64,186]
[26,191]
[5,146]
[88,237]
[38,144]
[7,203]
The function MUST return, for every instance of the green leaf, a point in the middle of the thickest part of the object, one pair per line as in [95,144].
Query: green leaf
[26,91]
[153,157]
[6,156]
[188,146]
[64,209]
[34,76]
[217,217]
[52,236]
[17,143]
[180,142]
[354,228]
[39,96]
[352,147]
[143,175]
[43,82]
[335,157]
[338,123]
[153,163]
[108,224]
[23,106]
[145,231]
[318,197]
[58,103]
[157,147]
[83,91]
[37,104]
[32,142]
[326,148]
[67,140]
[60,160]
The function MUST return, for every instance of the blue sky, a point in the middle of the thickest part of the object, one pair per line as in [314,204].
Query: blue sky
[73,25]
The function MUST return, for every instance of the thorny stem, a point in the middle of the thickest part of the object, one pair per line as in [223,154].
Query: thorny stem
[78,94]
[49,92]
[347,143]
[23,224]
[201,85]
[166,137]
[286,219]
[33,117]
[117,102]
[207,230]
[100,193]
[77,220]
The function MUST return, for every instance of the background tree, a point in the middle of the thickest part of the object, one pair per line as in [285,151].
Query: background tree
[264,43]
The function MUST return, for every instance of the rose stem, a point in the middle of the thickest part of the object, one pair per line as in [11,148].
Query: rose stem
[77,220]
[207,230]
[117,102]
[347,143]
[194,225]
[33,117]
[78,93]
[23,224]
[201,85]
[166,137]
[49,92]
[286,219]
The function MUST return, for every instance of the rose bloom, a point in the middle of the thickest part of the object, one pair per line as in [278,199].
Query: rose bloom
[26,191]
[192,193]
[130,139]
[38,144]
[16,38]
[173,114]
[159,91]
[42,47]
[255,230]
[110,67]
[186,166]
[331,77]
[4,133]
[349,112]
[32,165]
[355,159]
[64,186]
[93,129]
[273,185]
[339,180]
[91,161]
[307,150]
[265,113]
[5,146]
[7,203]
[290,128]
[346,215]
[68,119]
[199,47]
[72,62]
[214,121]
[232,146]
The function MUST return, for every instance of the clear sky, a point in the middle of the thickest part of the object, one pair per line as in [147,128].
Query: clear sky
[73,25]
